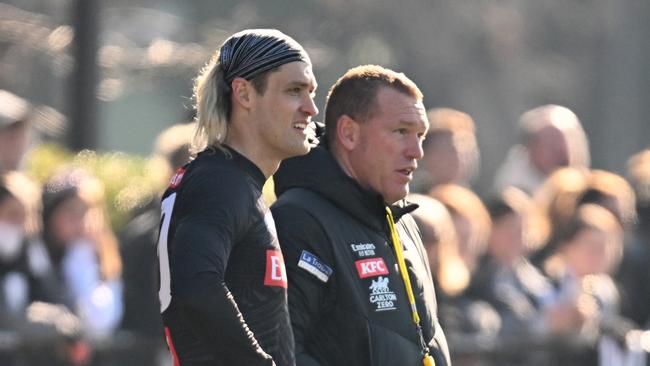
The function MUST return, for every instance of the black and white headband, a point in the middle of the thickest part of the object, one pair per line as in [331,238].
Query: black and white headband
[251,52]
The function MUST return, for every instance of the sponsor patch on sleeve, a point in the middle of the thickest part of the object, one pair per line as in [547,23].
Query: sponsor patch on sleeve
[177,178]
[315,266]
[276,274]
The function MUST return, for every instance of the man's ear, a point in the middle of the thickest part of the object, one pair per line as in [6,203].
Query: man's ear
[242,92]
[347,132]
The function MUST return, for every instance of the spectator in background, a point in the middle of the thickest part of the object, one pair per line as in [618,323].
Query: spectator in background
[568,188]
[461,312]
[638,170]
[551,138]
[16,116]
[172,148]
[614,193]
[27,285]
[138,246]
[14,291]
[633,275]
[83,250]
[14,130]
[506,279]
[15,272]
[439,238]
[471,221]
[558,200]
[588,252]
[25,269]
[138,238]
[523,296]
[451,153]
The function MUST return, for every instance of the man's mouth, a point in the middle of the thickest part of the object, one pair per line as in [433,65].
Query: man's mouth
[300,125]
[407,171]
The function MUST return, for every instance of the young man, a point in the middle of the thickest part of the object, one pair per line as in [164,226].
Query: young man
[222,279]
[343,223]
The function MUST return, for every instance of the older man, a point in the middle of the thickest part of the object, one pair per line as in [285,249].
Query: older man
[360,289]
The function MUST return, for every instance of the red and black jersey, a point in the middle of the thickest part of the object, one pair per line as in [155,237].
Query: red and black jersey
[223,287]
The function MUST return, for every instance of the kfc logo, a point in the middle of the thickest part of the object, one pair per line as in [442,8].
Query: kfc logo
[276,274]
[371,267]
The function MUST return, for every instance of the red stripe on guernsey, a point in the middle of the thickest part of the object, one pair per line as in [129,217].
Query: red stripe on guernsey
[276,274]
[177,178]
[371,267]
[170,344]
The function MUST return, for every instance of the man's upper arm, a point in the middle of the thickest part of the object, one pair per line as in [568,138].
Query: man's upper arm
[308,259]
[214,213]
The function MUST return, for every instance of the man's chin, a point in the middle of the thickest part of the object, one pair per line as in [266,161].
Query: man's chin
[299,150]
[396,197]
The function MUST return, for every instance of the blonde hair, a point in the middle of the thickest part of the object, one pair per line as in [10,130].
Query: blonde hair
[595,217]
[212,98]
[91,191]
[536,226]
[465,203]
[638,169]
[559,195]
[438,233]
[614,186]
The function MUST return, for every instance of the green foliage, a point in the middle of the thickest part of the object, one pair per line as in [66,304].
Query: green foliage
[129,181]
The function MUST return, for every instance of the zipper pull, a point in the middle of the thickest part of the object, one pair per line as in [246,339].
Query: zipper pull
[428,360]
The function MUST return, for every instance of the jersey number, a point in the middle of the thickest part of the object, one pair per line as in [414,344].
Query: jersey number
[164,293]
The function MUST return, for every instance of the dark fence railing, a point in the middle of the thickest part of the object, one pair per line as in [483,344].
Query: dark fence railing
[128,349]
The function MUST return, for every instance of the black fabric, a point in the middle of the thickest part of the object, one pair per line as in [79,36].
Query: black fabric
[253,51]
[42,284]
[220,235]
[139,272]
[350,319]
[632,277]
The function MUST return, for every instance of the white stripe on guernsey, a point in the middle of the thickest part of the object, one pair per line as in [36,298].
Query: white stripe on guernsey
[164,293]
[313,270]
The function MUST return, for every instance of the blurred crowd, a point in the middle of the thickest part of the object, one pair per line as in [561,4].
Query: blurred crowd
[556,253]
[67,277]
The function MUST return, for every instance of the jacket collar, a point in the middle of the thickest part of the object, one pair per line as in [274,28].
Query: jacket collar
[319,172]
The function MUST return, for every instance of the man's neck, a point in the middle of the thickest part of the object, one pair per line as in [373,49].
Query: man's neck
[253,152]
[343,160]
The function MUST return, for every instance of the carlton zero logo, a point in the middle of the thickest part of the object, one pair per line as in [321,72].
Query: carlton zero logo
[371,267]
[276,274]
[381,296]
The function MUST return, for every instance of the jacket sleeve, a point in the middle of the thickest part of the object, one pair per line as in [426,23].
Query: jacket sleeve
[308,293]
[216,211]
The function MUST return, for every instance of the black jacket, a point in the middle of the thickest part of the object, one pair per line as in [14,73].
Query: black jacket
[347,301]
